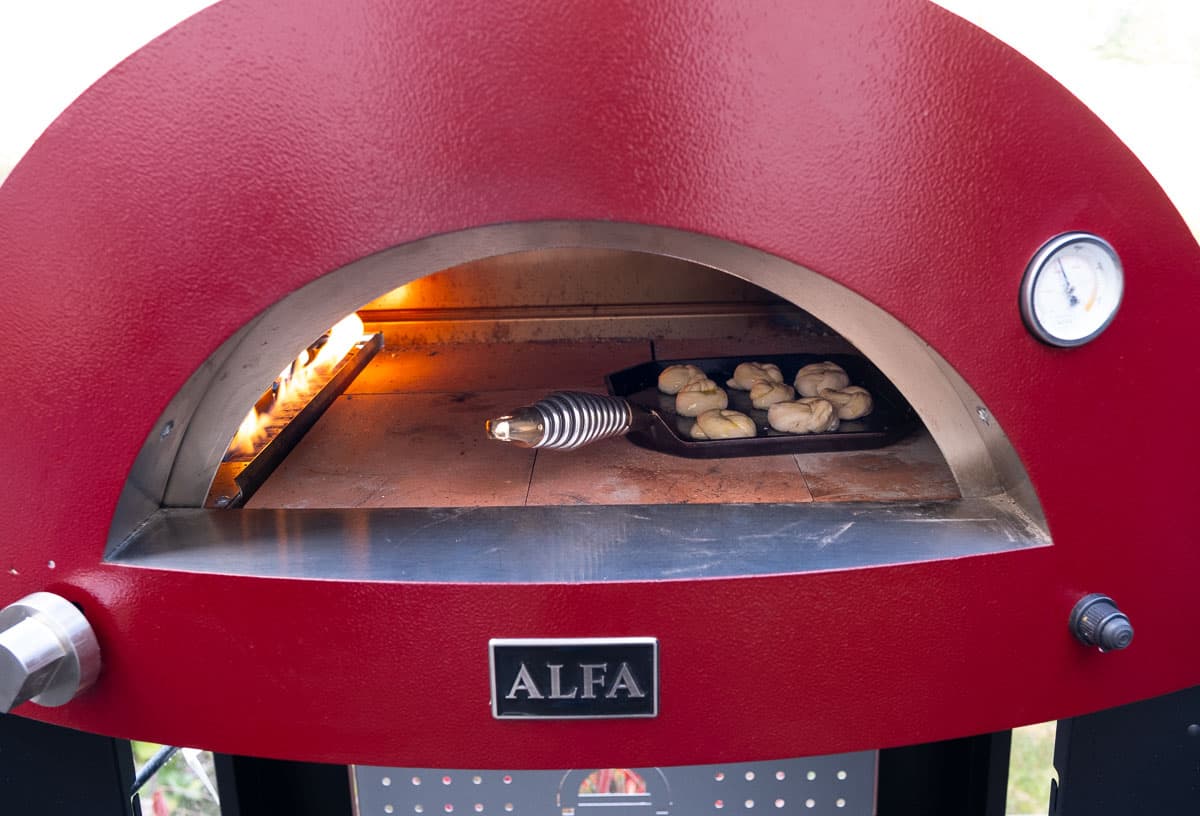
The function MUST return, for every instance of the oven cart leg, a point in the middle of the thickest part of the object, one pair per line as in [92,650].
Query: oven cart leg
[1138,758]
[961,777]
[53,771]
[249,786]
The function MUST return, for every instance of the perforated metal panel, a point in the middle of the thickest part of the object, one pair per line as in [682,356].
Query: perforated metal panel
[837,785]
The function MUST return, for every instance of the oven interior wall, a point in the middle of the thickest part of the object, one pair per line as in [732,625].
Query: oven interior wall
[484,338]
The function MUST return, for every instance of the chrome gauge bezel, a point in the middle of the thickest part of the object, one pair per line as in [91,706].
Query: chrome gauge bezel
[1040,262]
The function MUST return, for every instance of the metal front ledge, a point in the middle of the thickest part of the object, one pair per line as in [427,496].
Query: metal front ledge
[573,543]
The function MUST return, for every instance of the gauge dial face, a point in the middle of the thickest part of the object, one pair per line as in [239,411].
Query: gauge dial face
[1072,289]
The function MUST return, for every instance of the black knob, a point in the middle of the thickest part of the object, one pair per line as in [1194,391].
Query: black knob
[1096,621]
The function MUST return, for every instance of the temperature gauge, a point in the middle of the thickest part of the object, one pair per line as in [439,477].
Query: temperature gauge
[1072,289]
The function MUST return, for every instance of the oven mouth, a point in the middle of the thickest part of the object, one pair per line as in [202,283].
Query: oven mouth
[160,521]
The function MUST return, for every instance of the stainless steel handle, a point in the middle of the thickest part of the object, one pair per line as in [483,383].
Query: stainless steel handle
[564,420]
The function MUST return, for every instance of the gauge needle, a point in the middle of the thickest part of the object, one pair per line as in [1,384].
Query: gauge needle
[1070,290]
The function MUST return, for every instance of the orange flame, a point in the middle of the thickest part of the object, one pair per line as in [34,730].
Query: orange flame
[252,431]
[342,337]
[296,382]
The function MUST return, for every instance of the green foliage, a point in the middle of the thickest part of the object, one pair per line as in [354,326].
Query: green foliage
[178,788]
[1030,770]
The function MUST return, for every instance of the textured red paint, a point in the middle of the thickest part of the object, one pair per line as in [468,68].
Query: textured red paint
[888,145]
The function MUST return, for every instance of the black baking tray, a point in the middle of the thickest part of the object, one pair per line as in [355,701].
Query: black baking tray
[660,428]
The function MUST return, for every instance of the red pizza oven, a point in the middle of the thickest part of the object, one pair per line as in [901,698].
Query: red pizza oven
[524,198]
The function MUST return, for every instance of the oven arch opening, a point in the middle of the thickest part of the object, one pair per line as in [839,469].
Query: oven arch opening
[176,470]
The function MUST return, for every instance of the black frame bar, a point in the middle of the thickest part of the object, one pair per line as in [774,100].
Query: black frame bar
[53,771]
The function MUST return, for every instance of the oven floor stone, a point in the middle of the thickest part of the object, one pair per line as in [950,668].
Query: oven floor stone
[617,472]
[409,433]
[404,450]
[911,469]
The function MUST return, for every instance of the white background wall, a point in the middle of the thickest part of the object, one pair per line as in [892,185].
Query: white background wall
[1135,62]
[52,50]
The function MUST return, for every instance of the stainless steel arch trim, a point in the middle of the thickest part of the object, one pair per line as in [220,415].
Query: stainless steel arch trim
[979,455]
